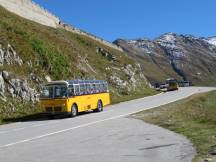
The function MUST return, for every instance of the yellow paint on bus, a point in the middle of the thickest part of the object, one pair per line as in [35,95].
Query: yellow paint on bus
[60,97]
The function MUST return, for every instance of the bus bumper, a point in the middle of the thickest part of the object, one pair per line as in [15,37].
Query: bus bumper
[50,114]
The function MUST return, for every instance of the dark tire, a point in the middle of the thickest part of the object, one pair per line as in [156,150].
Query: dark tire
[74,111]
[99,106]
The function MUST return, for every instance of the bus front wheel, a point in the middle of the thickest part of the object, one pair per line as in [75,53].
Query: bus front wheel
[99,106]
[74,111]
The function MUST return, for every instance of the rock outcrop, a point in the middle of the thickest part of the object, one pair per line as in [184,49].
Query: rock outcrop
[9,56]
[10,84]
[20,89]
[134,75]
[16,88]
[106,54]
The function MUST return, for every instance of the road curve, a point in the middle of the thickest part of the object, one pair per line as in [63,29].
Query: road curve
[106,136]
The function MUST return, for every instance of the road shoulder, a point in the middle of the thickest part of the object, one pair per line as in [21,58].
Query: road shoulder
[193,117]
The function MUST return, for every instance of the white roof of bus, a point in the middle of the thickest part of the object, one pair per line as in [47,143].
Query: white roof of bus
[57,82]
[76,82]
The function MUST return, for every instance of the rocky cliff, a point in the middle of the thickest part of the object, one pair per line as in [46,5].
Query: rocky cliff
[171,55]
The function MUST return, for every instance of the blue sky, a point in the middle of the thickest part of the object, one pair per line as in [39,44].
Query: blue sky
[112,19]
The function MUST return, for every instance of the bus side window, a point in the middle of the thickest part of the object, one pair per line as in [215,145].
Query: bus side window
[82,89]
[104,87]
[101,87]
[97,87]
[71,91]
[76,90]
[85,89]
[88,88]
[93,88]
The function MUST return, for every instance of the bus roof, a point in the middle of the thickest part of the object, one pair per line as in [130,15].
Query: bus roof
[86,81]
[71,82]
[57,82]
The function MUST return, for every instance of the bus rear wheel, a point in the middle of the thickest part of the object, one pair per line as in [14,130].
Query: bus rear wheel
[99,106]
[74,111]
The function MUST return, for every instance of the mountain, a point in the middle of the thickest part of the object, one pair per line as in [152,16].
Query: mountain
[32,54]
[171,55]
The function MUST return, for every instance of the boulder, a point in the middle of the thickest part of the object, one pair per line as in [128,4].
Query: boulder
[5,75]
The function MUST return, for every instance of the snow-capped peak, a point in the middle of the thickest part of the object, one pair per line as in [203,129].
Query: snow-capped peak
[211,40]
[169,37]
[167,40]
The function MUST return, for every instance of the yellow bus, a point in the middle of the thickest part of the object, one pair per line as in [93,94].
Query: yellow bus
[73,97]
[172,84]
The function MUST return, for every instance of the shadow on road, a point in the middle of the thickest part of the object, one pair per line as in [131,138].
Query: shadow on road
[40,117]
[35,117]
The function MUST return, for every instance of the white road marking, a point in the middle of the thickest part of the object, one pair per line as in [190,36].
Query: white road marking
[61,131]
[18,129]
[30,126]
[38,125]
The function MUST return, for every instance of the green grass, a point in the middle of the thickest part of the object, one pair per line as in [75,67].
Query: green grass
[52,59]
[13,111]
[138,94]
[194,117]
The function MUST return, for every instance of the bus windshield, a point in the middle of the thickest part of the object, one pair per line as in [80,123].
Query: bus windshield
[54,91]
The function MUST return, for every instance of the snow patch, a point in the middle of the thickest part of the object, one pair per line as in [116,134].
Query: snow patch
[144,44]
[211,40]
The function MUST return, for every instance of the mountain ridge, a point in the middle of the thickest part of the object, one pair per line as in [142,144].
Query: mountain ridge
[190,57]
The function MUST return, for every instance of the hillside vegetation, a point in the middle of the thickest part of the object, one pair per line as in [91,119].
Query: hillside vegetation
[31,53]
[194,117]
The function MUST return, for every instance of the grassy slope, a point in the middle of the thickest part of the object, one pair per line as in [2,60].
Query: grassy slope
[58,53]
[194,117]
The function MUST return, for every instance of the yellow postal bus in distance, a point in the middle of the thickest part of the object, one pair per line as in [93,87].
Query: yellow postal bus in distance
[75,96]
[172,84]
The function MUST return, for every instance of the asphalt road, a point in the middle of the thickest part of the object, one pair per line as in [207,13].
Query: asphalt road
[108,136]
